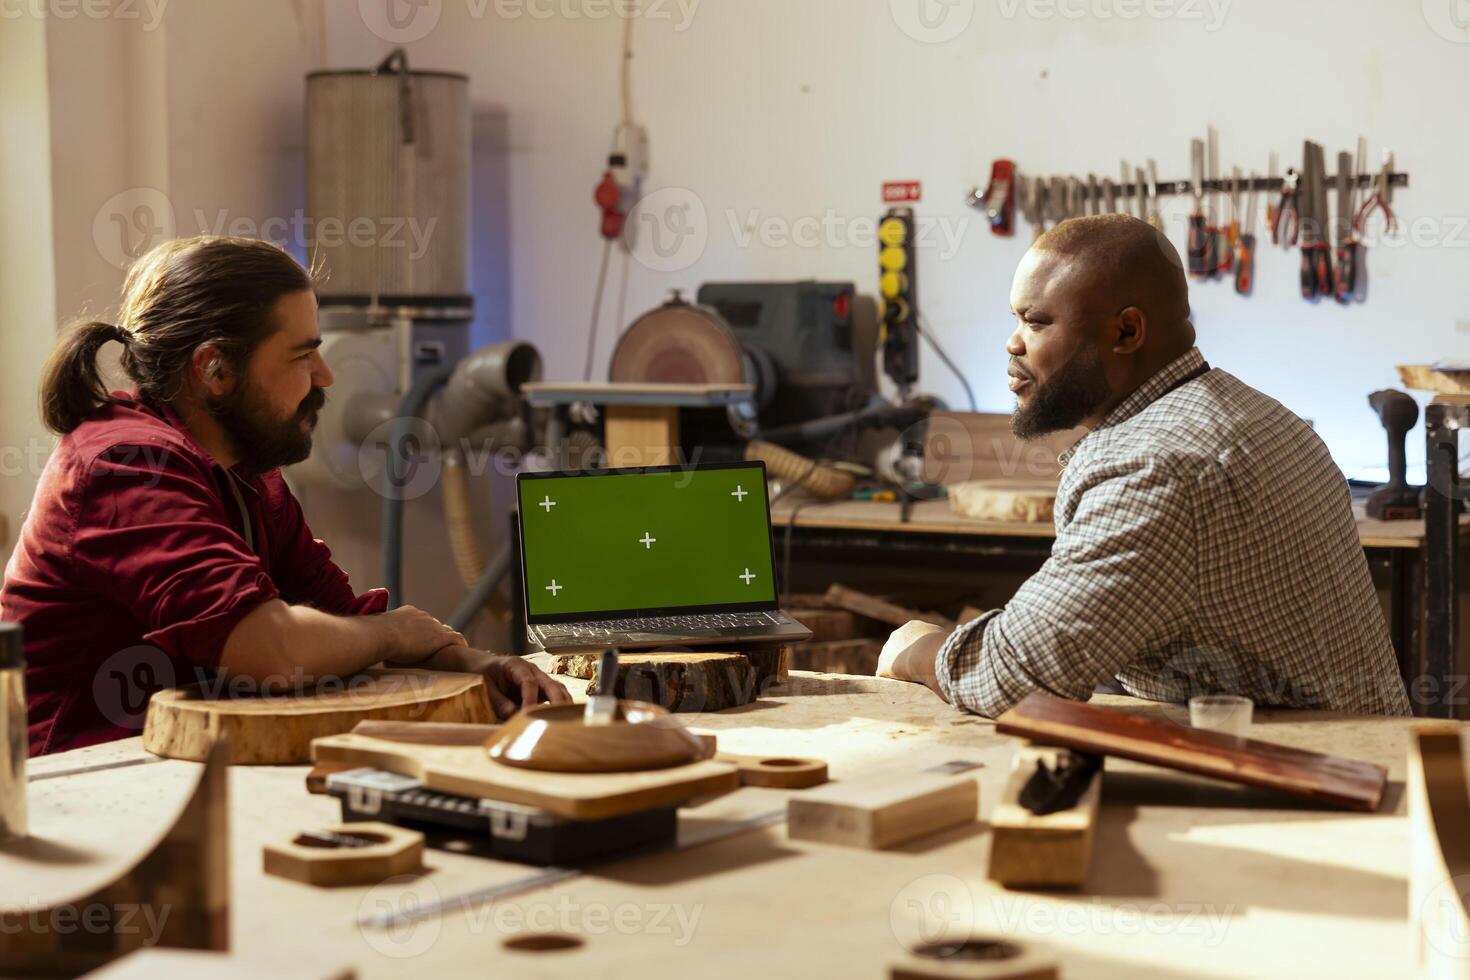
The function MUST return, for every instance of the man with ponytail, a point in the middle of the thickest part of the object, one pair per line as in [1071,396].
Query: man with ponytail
[162,540]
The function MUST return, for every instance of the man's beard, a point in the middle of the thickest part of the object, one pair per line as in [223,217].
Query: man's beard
[1073,393]
[263,442]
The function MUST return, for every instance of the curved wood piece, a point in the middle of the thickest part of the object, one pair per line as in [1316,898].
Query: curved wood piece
[1439,853]
[177,895]
[278,730]
[554,738]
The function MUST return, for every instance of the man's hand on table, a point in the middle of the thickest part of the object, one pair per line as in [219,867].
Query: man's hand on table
[910,652]
[511,682]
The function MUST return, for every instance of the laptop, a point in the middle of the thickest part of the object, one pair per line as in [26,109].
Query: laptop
[652,557]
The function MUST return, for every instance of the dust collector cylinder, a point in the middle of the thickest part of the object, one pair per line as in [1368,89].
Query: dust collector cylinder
[387,190]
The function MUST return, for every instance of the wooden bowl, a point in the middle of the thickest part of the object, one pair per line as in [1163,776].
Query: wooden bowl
[554,738]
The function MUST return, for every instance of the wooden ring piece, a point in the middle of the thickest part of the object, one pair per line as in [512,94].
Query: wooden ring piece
[778,772]
[400,851]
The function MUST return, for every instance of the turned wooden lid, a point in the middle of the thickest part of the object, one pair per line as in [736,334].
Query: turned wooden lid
[554,738]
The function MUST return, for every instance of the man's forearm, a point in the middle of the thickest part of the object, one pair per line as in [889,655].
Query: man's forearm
[277,641]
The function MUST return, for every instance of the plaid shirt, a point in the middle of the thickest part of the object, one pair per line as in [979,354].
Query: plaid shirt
[1204,544]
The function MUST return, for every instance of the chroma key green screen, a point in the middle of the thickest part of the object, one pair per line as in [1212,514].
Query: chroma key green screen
[645,540]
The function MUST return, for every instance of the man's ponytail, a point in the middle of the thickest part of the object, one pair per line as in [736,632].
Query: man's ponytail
[71,386]
[182,294]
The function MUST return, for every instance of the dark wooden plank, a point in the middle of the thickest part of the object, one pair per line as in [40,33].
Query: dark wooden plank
[1073,724]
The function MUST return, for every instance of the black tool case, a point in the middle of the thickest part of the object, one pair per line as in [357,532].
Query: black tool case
[492,828]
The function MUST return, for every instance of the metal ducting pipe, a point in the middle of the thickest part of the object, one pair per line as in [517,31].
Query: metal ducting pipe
[481,395]
[485,388]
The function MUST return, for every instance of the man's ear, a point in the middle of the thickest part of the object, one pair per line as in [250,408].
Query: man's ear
[211,371]
[1132,327]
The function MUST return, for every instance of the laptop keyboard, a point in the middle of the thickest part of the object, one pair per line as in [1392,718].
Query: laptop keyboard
[690,623]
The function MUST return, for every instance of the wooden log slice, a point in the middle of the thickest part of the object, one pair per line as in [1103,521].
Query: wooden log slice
[675,681]
[266,730]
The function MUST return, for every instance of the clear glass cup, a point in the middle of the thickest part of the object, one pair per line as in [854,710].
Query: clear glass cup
[1228,713]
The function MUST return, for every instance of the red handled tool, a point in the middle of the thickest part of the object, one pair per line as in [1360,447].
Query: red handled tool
[1000,198]
[1379,197]
[1245,244]
[1285,221]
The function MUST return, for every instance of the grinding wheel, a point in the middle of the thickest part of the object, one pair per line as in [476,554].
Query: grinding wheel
[678,343]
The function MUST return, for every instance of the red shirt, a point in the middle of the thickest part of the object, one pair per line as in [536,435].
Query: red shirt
[133,567]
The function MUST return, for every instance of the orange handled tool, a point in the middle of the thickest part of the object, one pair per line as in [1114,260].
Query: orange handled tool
[1245,244]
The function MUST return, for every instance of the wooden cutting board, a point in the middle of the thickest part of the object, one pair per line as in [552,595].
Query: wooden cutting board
[1072,724]
[279,730]
[451,762]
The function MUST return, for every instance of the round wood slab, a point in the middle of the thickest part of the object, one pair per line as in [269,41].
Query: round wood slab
[278,730]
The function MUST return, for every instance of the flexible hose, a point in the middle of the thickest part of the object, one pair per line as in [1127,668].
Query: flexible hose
[398,456]
[474,600]
[820,481]
[459,521]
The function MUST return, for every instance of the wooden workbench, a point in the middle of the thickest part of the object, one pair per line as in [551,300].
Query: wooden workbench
[936,517]
[1189,878]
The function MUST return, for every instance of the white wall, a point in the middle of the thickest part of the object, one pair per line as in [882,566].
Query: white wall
[791,109]
[27,294]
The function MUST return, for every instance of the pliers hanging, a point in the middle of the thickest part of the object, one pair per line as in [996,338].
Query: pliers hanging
[1379,199]
[1284,227]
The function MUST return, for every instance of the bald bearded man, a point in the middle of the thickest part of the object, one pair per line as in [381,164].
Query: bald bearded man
[1204,537]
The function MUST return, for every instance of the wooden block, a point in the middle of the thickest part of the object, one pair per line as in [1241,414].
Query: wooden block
[640,435]
[777,772]
[1050,850]
[886,812]
[460,765]
[1088,728]
[397,851]
[841,597]
[1439,853]
[1029,501]
[841,657]
[182,722]
[157,963]
[975,958]
[1424,377]
[828,625]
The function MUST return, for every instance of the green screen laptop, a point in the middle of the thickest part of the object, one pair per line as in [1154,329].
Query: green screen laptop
[650,557]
